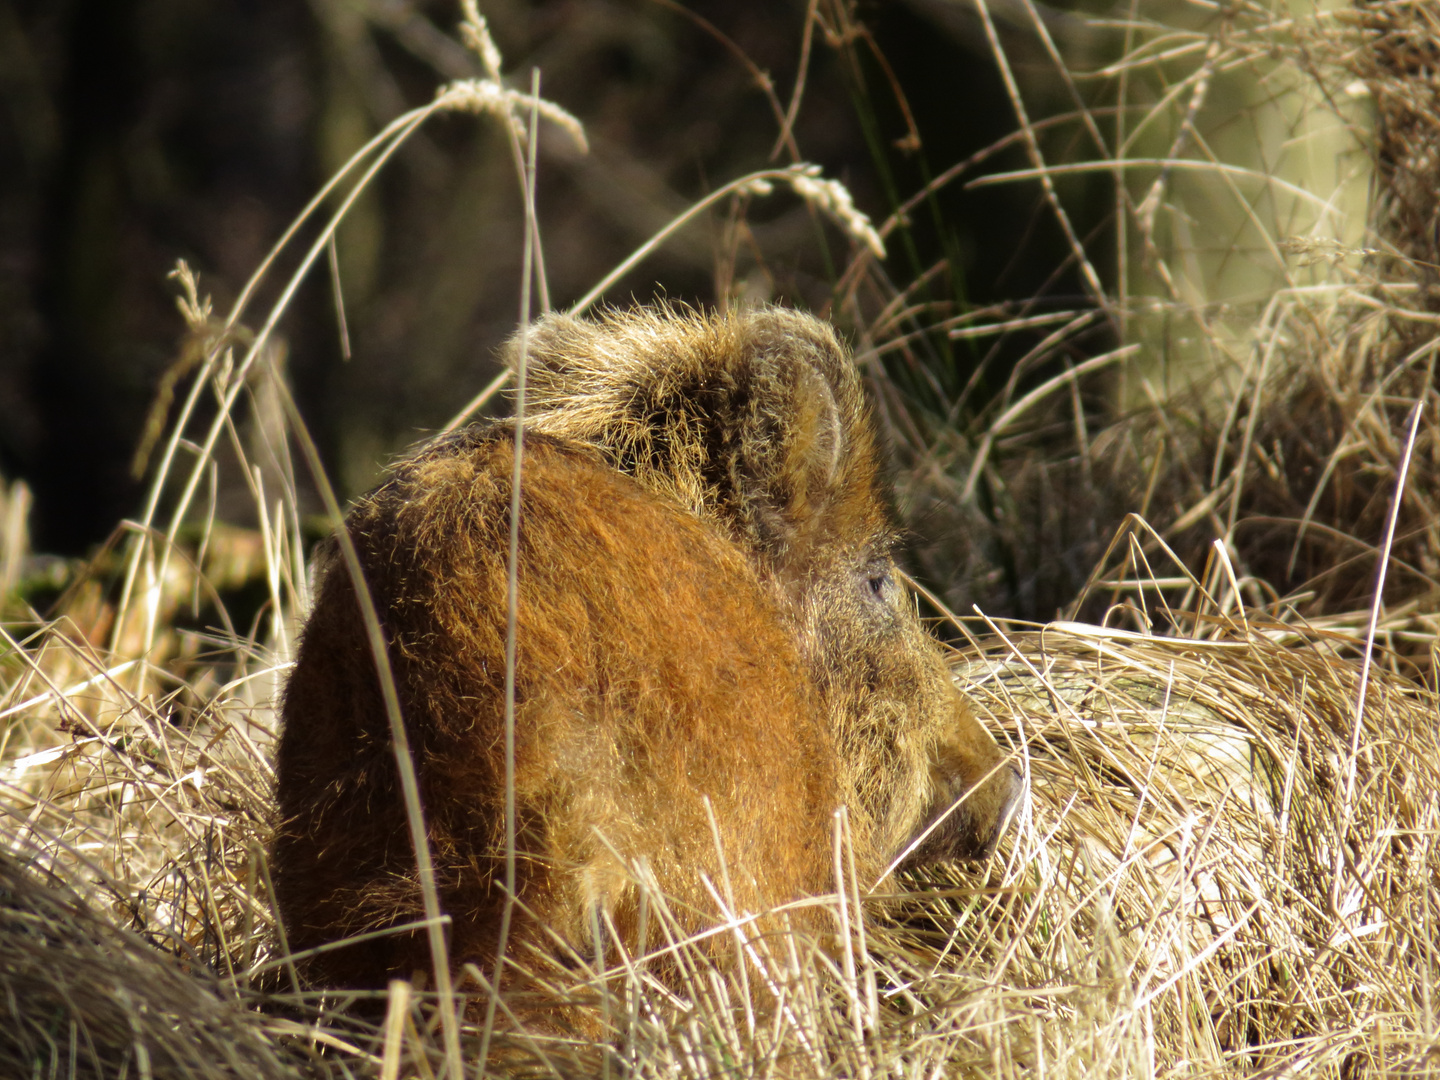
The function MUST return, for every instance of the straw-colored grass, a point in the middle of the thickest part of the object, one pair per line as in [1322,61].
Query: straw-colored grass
[1222,886]
[1228,863]
[1214,875]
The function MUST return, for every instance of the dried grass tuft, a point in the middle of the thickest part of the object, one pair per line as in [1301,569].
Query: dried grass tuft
[88,999]
[1194,891]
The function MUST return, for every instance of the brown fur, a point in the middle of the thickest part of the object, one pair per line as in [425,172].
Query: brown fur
[708,610]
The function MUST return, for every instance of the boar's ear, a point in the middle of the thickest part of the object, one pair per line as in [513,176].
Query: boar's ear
[754,420]
[803,471]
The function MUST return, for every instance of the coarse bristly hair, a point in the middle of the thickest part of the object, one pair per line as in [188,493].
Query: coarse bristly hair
[753,420]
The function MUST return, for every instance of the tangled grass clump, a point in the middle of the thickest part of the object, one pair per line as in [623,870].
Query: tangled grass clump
[1253,891]
[88,998]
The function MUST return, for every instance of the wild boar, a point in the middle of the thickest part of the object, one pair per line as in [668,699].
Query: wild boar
[708,611]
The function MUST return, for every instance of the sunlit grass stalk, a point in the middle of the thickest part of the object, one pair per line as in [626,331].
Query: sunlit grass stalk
[512,574]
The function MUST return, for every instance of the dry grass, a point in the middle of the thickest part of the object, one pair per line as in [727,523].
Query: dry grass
[1222,885]
[1228,865]
[1210,878]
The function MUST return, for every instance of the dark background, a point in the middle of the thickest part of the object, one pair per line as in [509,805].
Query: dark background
[136,132]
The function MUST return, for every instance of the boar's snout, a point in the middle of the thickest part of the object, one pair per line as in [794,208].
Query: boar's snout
[925,774]
[976,792]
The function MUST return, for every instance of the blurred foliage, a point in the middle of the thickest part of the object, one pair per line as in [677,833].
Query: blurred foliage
[138,131]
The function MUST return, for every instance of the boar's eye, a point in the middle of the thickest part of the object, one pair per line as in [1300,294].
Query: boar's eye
[880,582]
